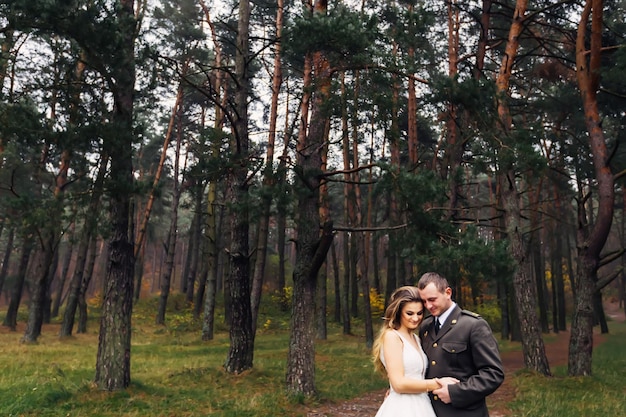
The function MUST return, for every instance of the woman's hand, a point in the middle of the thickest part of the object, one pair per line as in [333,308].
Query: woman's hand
[446,380]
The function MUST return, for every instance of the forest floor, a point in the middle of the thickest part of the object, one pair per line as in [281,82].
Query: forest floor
[556,350]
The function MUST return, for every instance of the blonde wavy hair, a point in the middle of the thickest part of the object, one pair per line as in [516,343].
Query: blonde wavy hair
[392,319]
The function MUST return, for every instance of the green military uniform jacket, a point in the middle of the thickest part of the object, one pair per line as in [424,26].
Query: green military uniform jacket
[466,349]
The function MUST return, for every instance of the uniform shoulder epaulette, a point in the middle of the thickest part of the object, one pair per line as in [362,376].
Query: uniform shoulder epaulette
[470,313]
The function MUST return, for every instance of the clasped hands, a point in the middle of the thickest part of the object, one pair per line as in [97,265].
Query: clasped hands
[442,392]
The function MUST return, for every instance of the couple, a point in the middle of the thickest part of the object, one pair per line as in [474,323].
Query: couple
[456,360]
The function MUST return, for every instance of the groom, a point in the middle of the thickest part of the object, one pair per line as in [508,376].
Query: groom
[459,344]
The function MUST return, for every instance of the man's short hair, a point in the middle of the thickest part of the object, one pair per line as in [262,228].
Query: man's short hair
[441,283]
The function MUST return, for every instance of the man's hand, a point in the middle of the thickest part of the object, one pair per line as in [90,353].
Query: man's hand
[442,392]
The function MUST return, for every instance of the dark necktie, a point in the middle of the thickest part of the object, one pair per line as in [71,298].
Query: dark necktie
[437,325]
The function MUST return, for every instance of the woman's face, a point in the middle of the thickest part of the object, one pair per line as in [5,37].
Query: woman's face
[412,314]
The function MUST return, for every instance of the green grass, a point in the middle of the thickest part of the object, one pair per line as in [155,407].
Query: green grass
[175,373]
[600,395]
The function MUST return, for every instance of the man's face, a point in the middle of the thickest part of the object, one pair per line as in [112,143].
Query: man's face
[436,302]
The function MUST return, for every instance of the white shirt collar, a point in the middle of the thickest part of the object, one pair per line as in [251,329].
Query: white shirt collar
[442,318]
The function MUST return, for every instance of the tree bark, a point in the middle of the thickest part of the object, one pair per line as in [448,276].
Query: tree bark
[269,180]
[537,261]
[591,239]
[195,244]
[81,326]
[87,235]
[241,351]
[336,282]
[10,320]
[211,254]
[210,244]
[394,208]
[143,225]
[6,258]
[172,236]
[311,247]
[412,140]
[558,280]
[211,264]
[357,217]
[525,289]
[113,357]
[65,267]
[324,215]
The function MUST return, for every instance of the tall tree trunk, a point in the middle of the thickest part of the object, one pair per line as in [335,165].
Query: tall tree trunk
[114,344]
[241,350]
[357,217]
[81,326]
[10,320]
[394,208]
[345,285]
[537,259]
[376,263]
[483,40]
[598,310]
[556,257]
[203,272]
[65,267]
[503,302]
[324,215]
[412,143]
[143,225]
[622,285]
[87,235]
[525,289]
[540,282]
[369,241]
[210,246]
[76,283]
[195,236]
[349,243]
[311,247]
[559,281]
[269,180]
[172,236]
[281,226]
[8,41]
[6,258]
[591,239]
[210,260]
[38,288]
[189,252]
[453,146]
[321,327]
[166,277]
[336,282]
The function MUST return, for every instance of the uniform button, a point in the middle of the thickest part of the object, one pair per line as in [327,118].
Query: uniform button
[433,363]
[435,344]
[436,398]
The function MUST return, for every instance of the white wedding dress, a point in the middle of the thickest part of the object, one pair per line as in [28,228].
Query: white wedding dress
[408,405]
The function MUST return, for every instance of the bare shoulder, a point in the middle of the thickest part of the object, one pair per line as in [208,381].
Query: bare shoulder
[391,336]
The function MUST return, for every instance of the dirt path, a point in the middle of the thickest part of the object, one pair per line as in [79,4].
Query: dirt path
[556,351]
